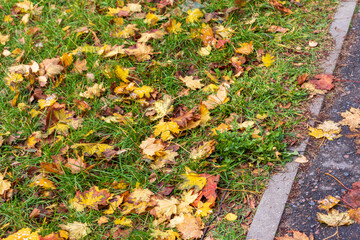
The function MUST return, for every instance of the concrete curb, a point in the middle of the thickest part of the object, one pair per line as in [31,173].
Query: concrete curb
[268,215]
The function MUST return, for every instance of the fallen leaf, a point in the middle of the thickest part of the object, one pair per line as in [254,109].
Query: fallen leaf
[192,83]
[334,218]
[301,79]
[123,221]
[203,151]
[352,196]
[245,48]
[102,220]
[351,119]
[4,39]
[192,180]
[313,43]
[216,99]
[162,107]
[94,91]
[151,145]
[76,165]
[205,51]
[280,7]
[77,230]
[230,217]
[153,34]
[301,159]
[193,15]
[279,29]
[190,227]
[165,208]
[355,214]
[268,60]
[92,198]
[204,209]
[328,129]
[41,181]
[328,202]
[24,233]
[4,184]
[122,73]
[209,191]
[80,66]
[296,236]
[141,51]
[324,81]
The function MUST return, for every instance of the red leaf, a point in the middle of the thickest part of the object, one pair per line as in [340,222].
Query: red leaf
[324,82]
[209,191]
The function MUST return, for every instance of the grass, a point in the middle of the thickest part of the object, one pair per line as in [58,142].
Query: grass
[244,158]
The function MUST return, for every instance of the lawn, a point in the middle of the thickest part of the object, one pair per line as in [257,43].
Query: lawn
[150,119]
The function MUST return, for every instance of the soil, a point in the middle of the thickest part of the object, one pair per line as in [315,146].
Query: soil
[337,157]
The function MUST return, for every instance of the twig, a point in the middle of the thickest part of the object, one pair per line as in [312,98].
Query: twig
[217,215]
[337,232]
[338,181]
[342,80]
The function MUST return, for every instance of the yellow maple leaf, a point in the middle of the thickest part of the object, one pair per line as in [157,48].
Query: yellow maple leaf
[167,235]
[204,114]
[210,88]
[221,128]
[151,19]
[268,60]
[49,101]
[24,233]
[245,48]
[123,221]
[335,218]
[128,31]
[328,202]
[224,32]
[165,208]
[122,73]
[203,151]
[205,51]
[41,181]
[166,129]
[93,148]
[174,27]
[328,129]
[4,184]
[114,203]
[66,59]
[192,180]
[204,209]
[8,19]
[193,15]
[143,91]
[92,198]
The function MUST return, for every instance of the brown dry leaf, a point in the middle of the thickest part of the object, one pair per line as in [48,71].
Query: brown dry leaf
[94,91]
[324,82]
[192,83]
[312,89]
[334,218]
[102,220]
[203,151]
[301,79]
[280,7]
[153,34]
[216,99]
[4,39]
[77,230]
[151,145]
[91,198]
[245,48]
[76,165]
[80,66]
[328,202]
[184,118]
[52,66]
[301,159]
[52,168]
[192,180]
[296,236]
[165,208]
[190,227]
[279,29]
[138,201]
[352,197]
[141,51]
[351,119]
[4,184]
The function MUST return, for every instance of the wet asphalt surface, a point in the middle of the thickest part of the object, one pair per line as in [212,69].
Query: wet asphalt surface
[337,157]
